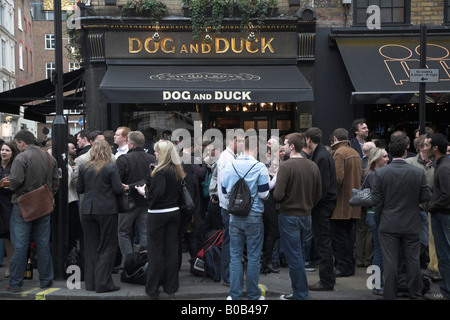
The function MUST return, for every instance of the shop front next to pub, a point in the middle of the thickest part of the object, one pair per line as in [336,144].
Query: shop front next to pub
[368,74]
[169,80]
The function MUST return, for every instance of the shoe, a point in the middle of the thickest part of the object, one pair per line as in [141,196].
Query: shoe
[7,273]
[340,274]
[13,290]
[287,297]
[116,270]
[378,292]
[433,275]
[261,298]
[268,268]
[226,284]
[310,269]
[434,296]
[320,287]
[283,261]
[229,298]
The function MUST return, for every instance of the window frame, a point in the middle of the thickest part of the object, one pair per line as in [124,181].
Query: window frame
[406,16]
[50,39]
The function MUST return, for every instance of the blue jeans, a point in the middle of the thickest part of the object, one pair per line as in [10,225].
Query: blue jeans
[377,259]
[292,233]
[440,226]
[21,235]
[225,261]
[245,231]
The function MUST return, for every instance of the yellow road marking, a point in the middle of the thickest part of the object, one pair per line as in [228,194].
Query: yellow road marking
[41,295]
[25,293]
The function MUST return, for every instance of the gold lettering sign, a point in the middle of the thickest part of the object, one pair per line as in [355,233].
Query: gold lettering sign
[220,45]
[66,5]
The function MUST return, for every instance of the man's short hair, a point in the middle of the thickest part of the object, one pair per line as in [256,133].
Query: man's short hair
[440,141]
[25,136]
[137,138]
[398,146]
[315,134]
[84,134]
[297,139]
[251,142]
[94,134]
[355,125]
[125,131]
[341,134]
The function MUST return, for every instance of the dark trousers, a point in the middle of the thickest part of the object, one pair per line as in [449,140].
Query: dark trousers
[100,245]
[391,244]
[162,251]
[322,242]
[271,229]
[343,240]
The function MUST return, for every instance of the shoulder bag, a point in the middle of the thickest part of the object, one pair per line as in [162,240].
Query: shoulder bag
[37,203]
[125,202]
[186,204]
[361,197]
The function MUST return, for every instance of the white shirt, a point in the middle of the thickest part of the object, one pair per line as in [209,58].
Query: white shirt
[121,151]
[225,158]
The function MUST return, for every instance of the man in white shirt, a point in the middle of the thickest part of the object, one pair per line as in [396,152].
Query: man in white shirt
[121,139]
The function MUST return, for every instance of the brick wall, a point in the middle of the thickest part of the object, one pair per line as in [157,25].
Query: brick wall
[427,12]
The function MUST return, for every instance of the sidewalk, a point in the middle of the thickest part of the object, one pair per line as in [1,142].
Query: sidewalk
[195,288]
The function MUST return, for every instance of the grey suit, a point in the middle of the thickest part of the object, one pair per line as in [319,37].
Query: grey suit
[397,190]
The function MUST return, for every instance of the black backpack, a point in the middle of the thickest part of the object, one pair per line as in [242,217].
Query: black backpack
[240,202]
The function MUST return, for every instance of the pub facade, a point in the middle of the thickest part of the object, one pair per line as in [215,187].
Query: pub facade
[144,74]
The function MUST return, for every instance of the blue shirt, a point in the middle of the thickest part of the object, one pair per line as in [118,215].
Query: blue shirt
[257,180]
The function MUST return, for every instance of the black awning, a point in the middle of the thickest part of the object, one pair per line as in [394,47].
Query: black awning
[42,92]
[379,68]
[204,84]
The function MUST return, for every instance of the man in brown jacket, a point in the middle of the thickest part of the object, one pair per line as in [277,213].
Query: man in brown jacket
[348,176]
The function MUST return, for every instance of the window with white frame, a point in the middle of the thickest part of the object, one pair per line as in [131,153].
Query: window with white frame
[49,42]
[74,66]
[49,69]
[3,53]
[19,18]
[20,56]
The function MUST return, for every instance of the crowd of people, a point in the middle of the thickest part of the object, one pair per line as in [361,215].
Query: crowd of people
[299,216]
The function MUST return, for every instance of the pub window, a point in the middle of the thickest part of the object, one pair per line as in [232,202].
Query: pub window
[392,12]
[447,12]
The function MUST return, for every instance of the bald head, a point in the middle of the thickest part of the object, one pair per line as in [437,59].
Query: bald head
[367,147]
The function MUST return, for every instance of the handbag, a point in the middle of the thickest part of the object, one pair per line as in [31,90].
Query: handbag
[186,204]
[361,197]
[37,203]
[125,202]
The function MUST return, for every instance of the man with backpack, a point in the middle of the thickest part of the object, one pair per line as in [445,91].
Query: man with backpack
[246,183]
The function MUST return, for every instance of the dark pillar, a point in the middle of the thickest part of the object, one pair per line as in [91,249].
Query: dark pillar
[60,240]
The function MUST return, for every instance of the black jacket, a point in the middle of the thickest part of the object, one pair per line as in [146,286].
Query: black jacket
[322,157]
[134,166]
[440,199]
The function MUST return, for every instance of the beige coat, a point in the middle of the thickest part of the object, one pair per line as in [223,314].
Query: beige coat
[348,176]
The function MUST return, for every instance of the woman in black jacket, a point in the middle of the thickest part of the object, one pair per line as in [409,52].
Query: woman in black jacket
[163,221]
[99,181]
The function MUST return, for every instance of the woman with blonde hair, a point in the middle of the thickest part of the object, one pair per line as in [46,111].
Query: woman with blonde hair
[99,181]
[378,157]
[163,222]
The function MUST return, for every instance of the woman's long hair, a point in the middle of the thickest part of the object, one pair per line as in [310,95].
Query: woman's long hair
[168,158]
[14,152]
[100,153]
[374,155]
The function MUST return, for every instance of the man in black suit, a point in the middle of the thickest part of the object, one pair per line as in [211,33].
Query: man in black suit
[396,193]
